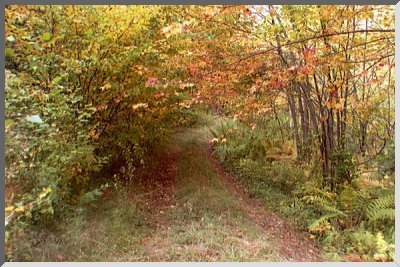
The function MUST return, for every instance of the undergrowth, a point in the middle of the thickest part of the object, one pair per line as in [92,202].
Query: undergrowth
[352,220]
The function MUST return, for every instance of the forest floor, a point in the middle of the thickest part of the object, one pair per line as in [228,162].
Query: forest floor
[185,208]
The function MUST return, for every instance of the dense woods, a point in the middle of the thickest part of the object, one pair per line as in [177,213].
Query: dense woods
[299,100]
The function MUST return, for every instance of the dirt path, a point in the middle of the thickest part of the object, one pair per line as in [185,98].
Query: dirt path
[183,207]
[291,245]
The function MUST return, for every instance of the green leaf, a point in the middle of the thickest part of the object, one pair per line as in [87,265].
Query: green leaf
[9,123]
[46,37]
[57,79]
[9,52]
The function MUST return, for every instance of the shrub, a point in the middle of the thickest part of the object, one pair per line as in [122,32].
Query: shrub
[249,149]
[345,168]
[49,156]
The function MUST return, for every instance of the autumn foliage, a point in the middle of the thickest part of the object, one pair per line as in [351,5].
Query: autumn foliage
[92,90]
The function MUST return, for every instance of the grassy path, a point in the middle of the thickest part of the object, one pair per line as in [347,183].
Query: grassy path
[186,208]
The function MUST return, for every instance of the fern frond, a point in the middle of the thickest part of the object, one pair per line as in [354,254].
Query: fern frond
[334,210]
[382,214]
[315,224]
[315,200]
[381,208]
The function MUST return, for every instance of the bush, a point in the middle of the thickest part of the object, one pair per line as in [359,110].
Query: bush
[83,101]
[345,168]
[285,176]
[50,160]
[257,158]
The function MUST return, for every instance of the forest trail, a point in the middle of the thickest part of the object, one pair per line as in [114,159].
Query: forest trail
[292,245]
[185,207]
[200,212]
[140,133]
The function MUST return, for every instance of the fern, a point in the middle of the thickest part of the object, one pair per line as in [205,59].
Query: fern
[316,224]
[381,209]
[334,210]
[382,214]
[322,201]
[324,204]
[372,246]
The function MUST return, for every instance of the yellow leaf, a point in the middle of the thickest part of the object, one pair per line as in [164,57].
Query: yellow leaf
[140,105]
[22,208]
[106,86]
[338,105]
[9,208]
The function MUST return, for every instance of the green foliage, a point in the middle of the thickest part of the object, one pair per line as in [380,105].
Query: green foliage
[89,90]
[345,168]
[372,247]
[335,218]
[382,209]
[92,196]
[323,205]
[285,176]
[48,156]
[386,160]
[258,156]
